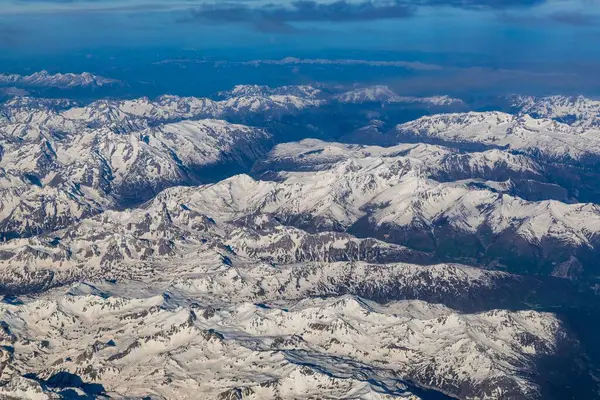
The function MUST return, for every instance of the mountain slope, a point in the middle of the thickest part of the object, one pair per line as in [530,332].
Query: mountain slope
[295,350]
[543,138]
[51,178]
[576,111]
[385,95]
[63,81]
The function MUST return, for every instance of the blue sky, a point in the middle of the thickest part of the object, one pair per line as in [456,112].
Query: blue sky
[550,36]
[520,29]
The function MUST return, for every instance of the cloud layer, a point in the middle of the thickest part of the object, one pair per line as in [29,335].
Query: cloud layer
[283,17]
[287,10]
[277,18]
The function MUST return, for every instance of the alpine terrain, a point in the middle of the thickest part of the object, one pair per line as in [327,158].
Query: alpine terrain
[241,246]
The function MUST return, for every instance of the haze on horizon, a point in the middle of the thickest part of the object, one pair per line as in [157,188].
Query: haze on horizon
[552,43]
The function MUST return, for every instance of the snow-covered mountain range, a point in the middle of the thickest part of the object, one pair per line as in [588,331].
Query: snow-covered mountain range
[164,346]
[58,167]
[541,137]
[411,65]
[62,81]
[383,94]
[324,96]
[576,111]
[395,199]
[155,249]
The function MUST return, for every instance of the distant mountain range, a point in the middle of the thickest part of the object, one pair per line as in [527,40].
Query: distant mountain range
[62,81]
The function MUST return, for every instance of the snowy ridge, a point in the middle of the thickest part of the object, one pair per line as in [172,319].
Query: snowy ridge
[130,114]
[287,245]
[261,350]
[136,114]
[312,96]
[57,168]
[540,137]
[63,162]
[383,94]
[314,155]
[364,95]
[575,111]
[305,91]
[340,195]
[126,363]
[192,253]
[133,243]
[394,196]
[63,81]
